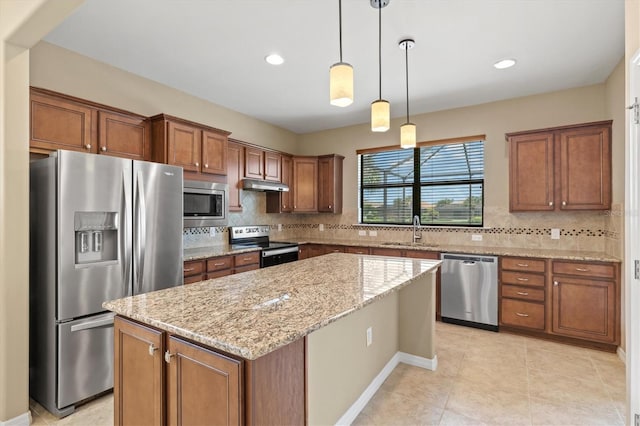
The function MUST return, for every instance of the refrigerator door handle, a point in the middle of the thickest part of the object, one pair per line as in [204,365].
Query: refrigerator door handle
[141,231]
[125,235]
[94,324]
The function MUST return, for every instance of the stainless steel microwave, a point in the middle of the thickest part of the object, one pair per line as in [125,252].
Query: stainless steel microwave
[205,204]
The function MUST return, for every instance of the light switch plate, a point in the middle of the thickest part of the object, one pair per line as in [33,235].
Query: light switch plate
[212,231]
[555,233]
[476,237]
[279,227]
[362,233]
[373,233]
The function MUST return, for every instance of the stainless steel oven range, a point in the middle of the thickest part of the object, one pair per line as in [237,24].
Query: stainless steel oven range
[273,253]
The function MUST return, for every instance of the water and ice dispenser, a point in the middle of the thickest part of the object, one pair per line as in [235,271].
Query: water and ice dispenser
[96,237]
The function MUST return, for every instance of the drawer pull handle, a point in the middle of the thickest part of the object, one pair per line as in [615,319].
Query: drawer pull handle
[523,265]
[246,258]
[522,293]
[218,264]
[152,349]
[167,357]
[582,269]
[517,313]
[523,279]
[189,269]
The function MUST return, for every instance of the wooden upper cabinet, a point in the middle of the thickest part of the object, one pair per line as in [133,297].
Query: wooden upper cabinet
[235,162]
[203,386]
[138,385]
[124,136]
[562,168]
[57,123]
[281,202]
[531,172]
[253,163]
[272,164]
[585,168]
[305,184]
[200,150]
[214,153]
[330,183]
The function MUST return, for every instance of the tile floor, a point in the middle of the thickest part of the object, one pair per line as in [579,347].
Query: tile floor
[483,378]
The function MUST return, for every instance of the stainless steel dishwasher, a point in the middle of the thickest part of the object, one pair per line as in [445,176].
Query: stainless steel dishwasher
[469,290]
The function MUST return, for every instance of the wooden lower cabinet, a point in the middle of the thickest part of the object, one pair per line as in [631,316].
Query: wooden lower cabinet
[522,314]
[203,386]
[138,383]
[357,250]
[194,271]
[184,383]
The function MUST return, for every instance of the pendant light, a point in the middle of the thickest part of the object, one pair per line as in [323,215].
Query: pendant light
[380,111]
[341,75]
[407,130]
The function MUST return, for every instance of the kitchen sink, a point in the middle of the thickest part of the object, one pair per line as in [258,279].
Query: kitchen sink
[404,244]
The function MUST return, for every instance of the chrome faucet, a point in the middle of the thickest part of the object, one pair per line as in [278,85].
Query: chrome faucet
[416,228]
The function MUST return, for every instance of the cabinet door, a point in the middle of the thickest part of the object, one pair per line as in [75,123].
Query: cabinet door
[253,163]
[184,143]
[330,184]
[531,172]
[138,385]
[584,308]
[286,178]
[585,168]
[124,136]
[272,162]
[214,153]
[235,163]
[305,184]
[60,124]
[203,387]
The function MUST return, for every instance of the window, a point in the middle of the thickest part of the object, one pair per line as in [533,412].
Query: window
[443,184]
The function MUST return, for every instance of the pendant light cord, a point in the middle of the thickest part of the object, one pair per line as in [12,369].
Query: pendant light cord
[406,57]
[380,49]
[340,26]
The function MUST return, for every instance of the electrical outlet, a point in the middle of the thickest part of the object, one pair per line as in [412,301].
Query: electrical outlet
[362,233]
[279,227]
[212,231]
[369,336]
[321,227]
[555,233]
[373,233]
[476,237]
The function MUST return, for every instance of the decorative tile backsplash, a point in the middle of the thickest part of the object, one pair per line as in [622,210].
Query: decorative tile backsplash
[586,231]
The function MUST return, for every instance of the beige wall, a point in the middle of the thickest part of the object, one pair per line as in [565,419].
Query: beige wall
[64,71]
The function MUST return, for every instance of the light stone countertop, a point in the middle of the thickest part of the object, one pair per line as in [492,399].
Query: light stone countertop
[593,256]
[257,312]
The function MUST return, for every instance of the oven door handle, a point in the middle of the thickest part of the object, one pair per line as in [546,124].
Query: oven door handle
[275,252]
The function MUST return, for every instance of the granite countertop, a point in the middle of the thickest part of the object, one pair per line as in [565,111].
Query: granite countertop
[256,312]
[198,253]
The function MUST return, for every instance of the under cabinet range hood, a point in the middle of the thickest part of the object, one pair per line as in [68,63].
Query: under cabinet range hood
[264,185]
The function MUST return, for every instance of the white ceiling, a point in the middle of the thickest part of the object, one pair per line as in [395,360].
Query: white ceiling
[215,49]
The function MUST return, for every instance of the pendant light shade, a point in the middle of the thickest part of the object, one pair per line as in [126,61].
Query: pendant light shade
[341,84]
[340,75]
[380,110]
[407,130]
[408,135]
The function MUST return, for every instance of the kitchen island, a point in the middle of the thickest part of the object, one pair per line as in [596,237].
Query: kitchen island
[304,342]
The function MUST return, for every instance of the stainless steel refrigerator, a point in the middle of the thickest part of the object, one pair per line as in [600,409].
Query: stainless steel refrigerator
[101,228]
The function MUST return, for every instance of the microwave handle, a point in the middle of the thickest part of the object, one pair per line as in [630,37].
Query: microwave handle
[203,191]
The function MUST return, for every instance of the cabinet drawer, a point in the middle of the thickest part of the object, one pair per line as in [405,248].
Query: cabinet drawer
[524,293]
[193,267]
[378,251]
[522,314]
[194,278]
[523,264]
[522,278]
[602,270]
[357,250]
[247,258]
[218,274]
[219,263]
[421,254]
[333,249]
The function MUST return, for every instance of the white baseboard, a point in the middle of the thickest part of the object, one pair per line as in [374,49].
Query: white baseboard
[622,354]
[350,415]
[23,419]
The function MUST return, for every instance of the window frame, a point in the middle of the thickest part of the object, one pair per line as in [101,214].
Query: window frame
[417,185]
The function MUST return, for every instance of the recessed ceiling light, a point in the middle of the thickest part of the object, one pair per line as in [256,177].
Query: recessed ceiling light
[274,59]
[504,63]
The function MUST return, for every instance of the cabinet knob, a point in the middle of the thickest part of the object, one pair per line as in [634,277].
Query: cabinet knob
[555,283]
[103,149]
[564,203]
[88,146]
[329,205]
[206,166]
[550,203]
[168,356]
[152,349]
[197,164]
